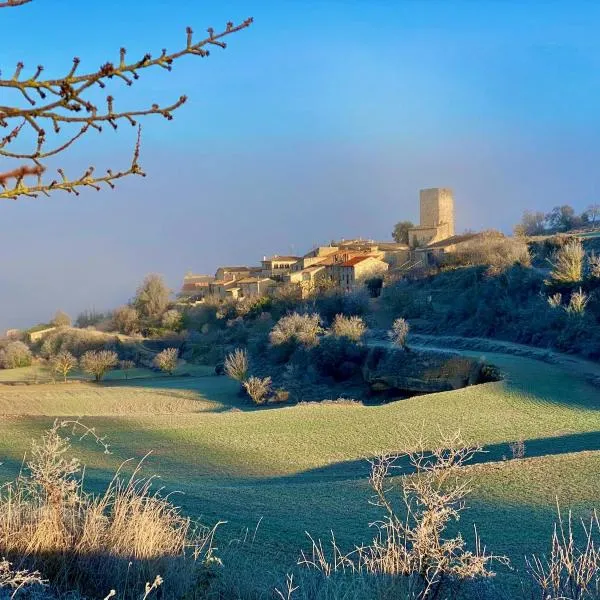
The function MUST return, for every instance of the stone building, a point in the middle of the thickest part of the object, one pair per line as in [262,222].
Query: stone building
[436,218]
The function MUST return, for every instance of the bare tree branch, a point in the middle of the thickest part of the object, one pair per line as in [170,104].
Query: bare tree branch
[49,105]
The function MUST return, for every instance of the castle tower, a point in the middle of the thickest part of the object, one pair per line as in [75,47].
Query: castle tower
[437,218]
[437,209]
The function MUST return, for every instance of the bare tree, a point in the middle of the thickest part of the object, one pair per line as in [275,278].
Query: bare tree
[126,366]
[99,363]
[56,113]
[166,360]
[64,362]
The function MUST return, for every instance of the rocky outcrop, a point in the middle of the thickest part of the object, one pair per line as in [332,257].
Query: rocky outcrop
[420,372]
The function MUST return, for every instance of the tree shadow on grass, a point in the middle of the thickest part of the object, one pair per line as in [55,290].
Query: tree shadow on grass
[538,447]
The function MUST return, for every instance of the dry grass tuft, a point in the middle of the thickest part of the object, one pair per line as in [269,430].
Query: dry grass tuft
[119,539]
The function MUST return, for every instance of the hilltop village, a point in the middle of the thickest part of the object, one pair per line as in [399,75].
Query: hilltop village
[346,264]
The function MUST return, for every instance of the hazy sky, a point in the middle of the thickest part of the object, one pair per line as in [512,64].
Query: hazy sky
[321,121]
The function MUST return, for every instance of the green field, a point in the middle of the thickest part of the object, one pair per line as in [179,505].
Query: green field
[301,468]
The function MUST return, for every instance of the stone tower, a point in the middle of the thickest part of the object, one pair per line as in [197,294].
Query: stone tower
[437,217]
[437,209]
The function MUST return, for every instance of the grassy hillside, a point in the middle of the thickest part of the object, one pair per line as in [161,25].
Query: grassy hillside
[302,468]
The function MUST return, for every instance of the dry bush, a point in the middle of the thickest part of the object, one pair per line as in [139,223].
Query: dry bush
[517,449]
[63,363]
[353,328]
[577,302]
[258,389]
[555,301]
[594,265]
[567,262]
[236,365]
[303,329]
[493,249]
[99,363]
[126,319]
[14,355]
[572,570]
[119,539]
[172,320]
[399,332]
[415,543]
[166,360]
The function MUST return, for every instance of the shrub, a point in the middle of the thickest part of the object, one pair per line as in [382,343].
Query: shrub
[399,332]
[577,302]
[90,318]
[14,355]
[567,263]
[172,320]
[99,363]
[280,396]
[353,328]
[63,363]
[89,544]
[166,360]
[594,265]
[236,365]
[126,319]
[258,389]
[296,328]
[418,543]
[555,300]
[338,357]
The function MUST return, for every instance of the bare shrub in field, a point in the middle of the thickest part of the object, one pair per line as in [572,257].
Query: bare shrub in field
[572,570]
[414,542]
[166,360]
[303,329]
[594,265]
[86,543]
[568,262]
[517,449]
[353,328]
[63,363]
[99,363]
[236,365]
[126,366]
[14,355]
[577,302]
[399,332]
[258,389]
[555,301]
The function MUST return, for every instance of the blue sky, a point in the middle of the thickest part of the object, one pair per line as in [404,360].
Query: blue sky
[321,121]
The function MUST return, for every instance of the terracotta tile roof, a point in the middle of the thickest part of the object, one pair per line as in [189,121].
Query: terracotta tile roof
[283,258]
[355,260]
[254,280]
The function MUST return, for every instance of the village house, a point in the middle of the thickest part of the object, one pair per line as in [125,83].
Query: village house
[196,285]
[277,266]
[232,273]
[255,286]
[224,288]
[352,273]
